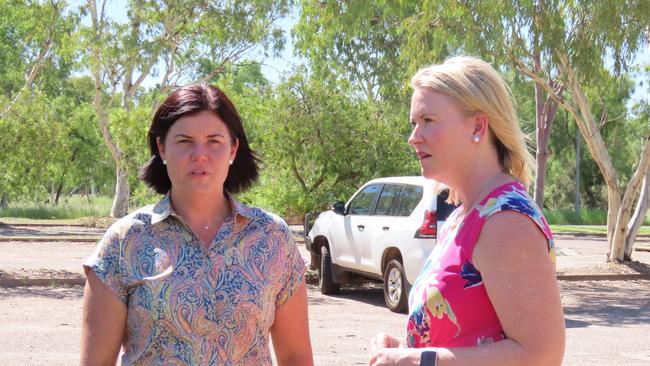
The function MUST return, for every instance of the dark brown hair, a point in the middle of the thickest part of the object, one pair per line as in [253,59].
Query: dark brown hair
[190,100]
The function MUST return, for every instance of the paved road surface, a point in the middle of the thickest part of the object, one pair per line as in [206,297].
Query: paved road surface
[608,322]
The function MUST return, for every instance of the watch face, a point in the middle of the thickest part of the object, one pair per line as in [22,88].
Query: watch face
[428,358]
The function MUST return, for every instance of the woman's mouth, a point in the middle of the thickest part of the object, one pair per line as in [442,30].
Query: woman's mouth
[198,173]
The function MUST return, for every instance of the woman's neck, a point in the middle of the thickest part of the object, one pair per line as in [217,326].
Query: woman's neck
[480,180]
[201,210]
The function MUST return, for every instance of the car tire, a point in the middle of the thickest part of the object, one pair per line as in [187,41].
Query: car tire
[325,282]
[395,287]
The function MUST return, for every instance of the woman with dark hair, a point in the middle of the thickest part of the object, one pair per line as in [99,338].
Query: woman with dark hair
[198,278]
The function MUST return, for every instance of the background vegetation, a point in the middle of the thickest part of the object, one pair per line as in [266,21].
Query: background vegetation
[323,129]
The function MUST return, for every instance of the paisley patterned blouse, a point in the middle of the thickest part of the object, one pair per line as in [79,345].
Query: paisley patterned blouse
[188,305]
[449,306]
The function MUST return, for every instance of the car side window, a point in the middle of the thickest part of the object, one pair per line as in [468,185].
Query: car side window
[409,199]
[362,203]
[387,199]
[444,209]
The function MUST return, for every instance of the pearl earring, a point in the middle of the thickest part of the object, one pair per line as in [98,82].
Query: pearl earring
[230,162]
[476,138]
[164,162]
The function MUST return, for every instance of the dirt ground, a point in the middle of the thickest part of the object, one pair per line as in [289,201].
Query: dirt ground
[608,322]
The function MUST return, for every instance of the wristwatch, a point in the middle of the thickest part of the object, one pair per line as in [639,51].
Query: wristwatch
[428,358]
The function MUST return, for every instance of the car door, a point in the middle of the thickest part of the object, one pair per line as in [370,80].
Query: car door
[378,227]
[348,240]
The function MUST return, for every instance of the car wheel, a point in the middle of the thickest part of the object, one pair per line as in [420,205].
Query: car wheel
[395,293]
[325,282]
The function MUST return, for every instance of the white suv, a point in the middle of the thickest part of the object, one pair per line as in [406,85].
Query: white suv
[385,231]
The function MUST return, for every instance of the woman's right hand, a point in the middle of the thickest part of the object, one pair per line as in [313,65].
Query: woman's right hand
[383,340]
[386,350]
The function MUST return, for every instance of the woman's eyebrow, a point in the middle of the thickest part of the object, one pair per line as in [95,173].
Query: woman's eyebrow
[183,135]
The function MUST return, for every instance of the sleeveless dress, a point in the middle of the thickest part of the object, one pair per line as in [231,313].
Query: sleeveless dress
[448,304]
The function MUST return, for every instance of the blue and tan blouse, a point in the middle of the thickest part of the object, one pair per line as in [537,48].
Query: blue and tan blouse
[192,305]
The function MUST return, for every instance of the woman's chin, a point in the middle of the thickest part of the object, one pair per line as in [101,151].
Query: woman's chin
[427,173]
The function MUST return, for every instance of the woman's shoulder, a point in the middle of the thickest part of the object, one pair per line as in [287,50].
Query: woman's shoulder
[138,218]
[514,206]
[263,218]
[509,197]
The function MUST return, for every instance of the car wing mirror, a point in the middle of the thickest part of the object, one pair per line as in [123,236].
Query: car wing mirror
[338,207]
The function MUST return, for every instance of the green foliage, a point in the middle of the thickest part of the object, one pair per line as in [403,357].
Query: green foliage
[327,128]
[569,217]
[354,42]
[590,230]
[30,133]
[51,144]
[319,145]
[71,207]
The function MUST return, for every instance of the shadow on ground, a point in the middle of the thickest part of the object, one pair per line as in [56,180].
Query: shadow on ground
[607,303]
[72,292]
[365,294]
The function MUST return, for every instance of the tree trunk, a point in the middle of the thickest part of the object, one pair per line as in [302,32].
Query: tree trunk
[638,217]
[63,174]
[618,210]
[39,63]
[59,188]
[4,202]
[591,134]
[120,203]
[541,153]
[122,192]
[625,212]
[544,122]
[576,203]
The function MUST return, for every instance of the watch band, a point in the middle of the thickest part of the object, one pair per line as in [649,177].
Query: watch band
[429,358]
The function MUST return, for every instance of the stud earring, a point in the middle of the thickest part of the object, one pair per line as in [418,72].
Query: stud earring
[476,138]
[164,162]
[230,162]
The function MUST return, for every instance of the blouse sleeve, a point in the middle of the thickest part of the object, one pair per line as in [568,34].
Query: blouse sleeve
[107,263]
[294,267]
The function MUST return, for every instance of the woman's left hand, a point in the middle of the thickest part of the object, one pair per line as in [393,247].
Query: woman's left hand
[388,350]
[395,357]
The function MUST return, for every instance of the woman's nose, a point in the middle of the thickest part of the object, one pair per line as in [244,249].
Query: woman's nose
[199,152]
[415,137]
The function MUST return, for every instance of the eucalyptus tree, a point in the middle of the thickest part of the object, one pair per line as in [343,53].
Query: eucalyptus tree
[354,42]
[564,47]
[35,59]
[319,144]
[34,38]
[164,42]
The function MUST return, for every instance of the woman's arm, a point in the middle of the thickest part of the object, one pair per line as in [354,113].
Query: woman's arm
[290,331]
[103,327]
[519,276]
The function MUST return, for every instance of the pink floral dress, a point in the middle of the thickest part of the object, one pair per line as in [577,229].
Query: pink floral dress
[449,306]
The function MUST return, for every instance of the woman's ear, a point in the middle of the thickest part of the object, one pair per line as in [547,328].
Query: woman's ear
[161,148]
[480,126]
[233,149]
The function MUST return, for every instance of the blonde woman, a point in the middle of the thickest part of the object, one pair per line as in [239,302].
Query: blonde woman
[487,295]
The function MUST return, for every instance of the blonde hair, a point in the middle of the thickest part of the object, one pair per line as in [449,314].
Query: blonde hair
[478,88]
